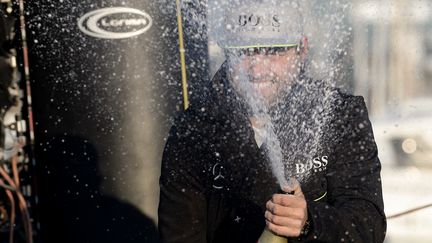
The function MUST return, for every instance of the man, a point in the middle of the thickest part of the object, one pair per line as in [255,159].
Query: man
[269,150]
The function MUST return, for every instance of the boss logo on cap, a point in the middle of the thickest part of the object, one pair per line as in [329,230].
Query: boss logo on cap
[253,22]
[259,20]
[115,23]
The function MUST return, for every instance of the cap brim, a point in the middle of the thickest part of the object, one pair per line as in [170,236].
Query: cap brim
[260,46]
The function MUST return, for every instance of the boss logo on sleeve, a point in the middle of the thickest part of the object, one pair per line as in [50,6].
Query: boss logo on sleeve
[317,164]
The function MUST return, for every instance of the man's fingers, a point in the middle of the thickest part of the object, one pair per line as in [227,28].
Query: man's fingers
[283,231]
[278,209]
[283,221]
[293,187]
[288,200]
[295,213]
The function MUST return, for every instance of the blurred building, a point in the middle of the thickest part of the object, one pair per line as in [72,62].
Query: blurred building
[392,53]
[392,48]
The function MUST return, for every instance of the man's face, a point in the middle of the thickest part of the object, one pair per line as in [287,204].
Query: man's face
[265,71]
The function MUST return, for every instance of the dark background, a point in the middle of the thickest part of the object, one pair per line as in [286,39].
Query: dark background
[102,108]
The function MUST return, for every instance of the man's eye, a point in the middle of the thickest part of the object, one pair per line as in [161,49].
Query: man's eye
[264,51]
[271,51]
[252,51]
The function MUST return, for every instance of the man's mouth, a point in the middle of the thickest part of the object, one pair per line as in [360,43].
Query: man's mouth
[261,85]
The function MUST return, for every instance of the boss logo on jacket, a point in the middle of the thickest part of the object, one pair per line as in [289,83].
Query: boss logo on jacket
[317,164]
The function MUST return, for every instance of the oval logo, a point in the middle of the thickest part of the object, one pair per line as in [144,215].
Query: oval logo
[115,23]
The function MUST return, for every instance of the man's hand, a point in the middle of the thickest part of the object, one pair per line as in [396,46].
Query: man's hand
[286,214]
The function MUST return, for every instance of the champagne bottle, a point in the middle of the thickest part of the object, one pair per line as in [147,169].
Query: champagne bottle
[268,237]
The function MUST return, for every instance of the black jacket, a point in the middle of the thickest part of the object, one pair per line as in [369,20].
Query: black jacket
[215,180]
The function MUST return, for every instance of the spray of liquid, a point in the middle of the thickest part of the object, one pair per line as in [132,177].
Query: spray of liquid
[295,128]
[259,109]
[292,125]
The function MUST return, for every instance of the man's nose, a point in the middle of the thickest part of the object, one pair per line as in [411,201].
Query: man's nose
[260,65]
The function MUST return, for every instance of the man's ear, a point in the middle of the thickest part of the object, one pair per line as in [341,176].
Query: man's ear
[304,48]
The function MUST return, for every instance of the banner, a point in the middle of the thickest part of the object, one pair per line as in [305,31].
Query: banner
[106,85]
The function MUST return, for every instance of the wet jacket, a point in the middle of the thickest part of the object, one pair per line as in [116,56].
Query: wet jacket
[215,180]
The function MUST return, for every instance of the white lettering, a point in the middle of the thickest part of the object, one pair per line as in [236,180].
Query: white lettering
[324,160]
[122,22]
[93,23]
[309,165]
[316,163]
[300,168]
